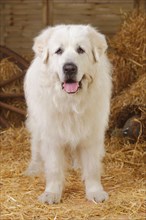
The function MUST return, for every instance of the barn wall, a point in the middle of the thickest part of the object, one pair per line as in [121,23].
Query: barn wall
[104,14]
[21,20]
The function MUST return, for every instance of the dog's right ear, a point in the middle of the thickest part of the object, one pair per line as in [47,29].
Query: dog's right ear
[40,44]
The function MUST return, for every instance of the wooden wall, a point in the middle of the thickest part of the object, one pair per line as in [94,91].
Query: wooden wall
[21,20]
[104,14]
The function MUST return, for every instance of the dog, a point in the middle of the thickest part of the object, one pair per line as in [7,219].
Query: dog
[68,89]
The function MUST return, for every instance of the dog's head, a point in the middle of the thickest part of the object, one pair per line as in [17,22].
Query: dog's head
[71,52]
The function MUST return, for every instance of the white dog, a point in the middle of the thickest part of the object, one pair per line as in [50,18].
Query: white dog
[68,89]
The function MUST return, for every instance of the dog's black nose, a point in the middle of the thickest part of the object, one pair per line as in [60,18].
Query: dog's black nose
[70,69]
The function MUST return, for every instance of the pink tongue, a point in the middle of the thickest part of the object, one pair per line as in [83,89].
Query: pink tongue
[71,87]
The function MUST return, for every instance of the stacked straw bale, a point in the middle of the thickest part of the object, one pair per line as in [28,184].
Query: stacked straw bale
[129,51]
[128,55]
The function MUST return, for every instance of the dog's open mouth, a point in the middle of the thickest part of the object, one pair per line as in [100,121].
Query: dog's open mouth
[71,86]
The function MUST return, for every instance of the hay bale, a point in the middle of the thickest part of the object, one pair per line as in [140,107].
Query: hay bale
[128,51]
[7,70]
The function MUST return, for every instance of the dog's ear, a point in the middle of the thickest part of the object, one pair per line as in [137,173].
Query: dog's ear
[98,42]
[40,44]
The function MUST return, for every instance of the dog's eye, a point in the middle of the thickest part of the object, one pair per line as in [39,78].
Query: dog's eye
[80,50]
[59,51]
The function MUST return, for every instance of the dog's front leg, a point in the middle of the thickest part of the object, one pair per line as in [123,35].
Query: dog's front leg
[53,157]
[35,165]
[91,171]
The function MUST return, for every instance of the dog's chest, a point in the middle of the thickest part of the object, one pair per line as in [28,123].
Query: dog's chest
[71,127]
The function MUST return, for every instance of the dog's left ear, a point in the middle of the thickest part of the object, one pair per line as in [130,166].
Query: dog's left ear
[98,42]
[40,44]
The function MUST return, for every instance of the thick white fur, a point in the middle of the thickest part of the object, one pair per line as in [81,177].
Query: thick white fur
[59,121]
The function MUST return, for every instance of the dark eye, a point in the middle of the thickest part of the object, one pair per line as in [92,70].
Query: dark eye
[80,50]
[59,51]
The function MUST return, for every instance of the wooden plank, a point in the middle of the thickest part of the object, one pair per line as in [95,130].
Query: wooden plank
[45,11]
[109,1]
[89,8]
[15,2]
[3,26]
[22,12]
[96,22]
[108,18]
[69,1]
[51,12]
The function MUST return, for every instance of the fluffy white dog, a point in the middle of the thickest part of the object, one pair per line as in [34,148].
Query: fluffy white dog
[67,89]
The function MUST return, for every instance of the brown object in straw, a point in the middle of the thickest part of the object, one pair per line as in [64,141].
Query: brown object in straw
[132,129]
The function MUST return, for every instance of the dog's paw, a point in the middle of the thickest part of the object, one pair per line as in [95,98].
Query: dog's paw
[97,196]
[50,198]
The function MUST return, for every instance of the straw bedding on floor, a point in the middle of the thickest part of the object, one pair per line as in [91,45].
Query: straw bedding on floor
[123,178]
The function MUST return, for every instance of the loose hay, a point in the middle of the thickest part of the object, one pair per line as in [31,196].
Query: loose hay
[123,179]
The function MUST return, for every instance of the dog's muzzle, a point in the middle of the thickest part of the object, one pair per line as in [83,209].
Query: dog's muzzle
[70,85]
